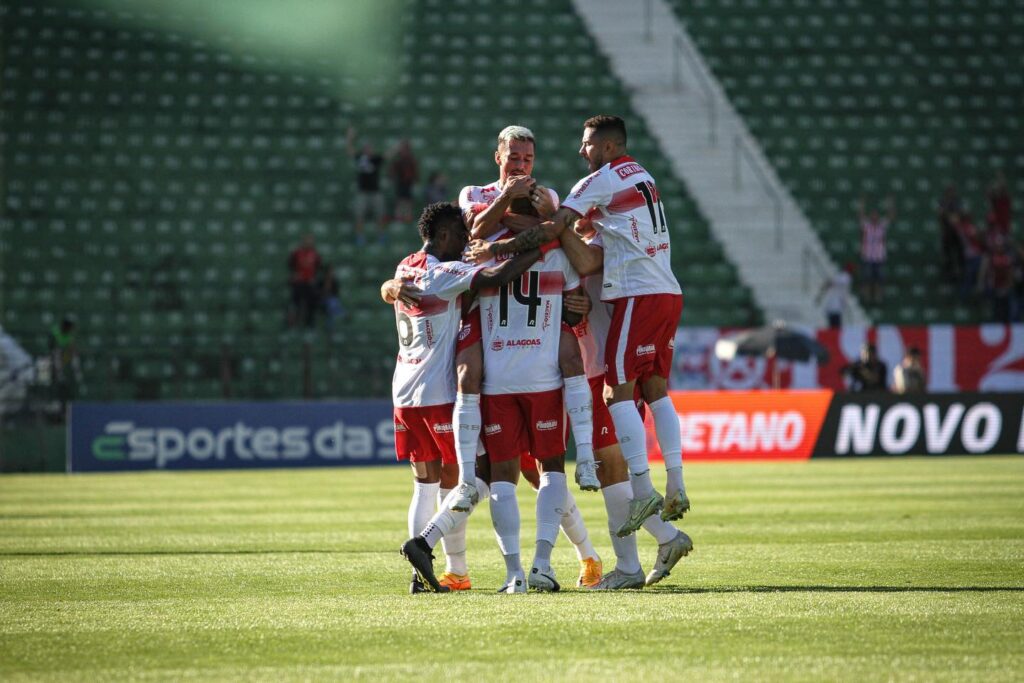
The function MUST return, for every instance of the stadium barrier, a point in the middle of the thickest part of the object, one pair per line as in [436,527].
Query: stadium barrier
[956,358]
[797,425]
[104,437]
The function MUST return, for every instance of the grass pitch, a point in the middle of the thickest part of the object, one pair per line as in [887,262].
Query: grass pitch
[876,569]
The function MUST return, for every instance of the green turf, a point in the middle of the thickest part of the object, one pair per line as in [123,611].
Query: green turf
[868,569]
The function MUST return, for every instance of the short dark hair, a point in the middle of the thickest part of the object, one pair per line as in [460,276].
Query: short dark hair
[436,214]
[604,124]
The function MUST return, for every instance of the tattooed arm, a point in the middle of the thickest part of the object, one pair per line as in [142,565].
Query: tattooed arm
[479,251]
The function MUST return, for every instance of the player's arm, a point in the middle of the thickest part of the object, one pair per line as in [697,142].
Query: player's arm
[586,259]
[572,317]
[502,274]
[485,223]
[479,251]
[396,289]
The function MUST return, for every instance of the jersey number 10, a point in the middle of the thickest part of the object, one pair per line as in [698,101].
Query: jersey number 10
[529,298]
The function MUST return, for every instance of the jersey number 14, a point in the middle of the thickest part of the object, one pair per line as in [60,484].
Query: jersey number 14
[525,290]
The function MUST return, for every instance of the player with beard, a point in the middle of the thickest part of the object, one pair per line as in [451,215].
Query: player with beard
[514,201]
[621,199]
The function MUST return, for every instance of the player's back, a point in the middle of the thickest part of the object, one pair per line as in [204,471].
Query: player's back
[521,325]
[425,367]
[623,202]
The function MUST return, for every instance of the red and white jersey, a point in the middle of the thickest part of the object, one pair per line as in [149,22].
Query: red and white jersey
[521,324]
[475,198]
[592,332]
[872,240]
[425,369]
[623,203]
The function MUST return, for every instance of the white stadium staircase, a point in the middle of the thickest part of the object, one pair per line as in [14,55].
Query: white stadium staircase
[762,229]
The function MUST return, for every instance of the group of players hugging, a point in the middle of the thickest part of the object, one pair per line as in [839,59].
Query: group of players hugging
[518,311]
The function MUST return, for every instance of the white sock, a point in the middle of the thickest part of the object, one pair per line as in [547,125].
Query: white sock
[662,531]
[576,530]
[616,503]
[666,424]
[505,516]
[633,441]
[483,488]
[551,499]
[421,507]
[466,421]
[449,527]
[579,403]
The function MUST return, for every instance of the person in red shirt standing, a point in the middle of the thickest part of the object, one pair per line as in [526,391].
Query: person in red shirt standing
[303,266]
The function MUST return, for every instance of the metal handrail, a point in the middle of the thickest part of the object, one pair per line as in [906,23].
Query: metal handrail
[741,149]
[809,257]
[680,47]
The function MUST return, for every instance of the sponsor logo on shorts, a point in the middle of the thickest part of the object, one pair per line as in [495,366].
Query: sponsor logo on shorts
[464,331]
[497,345]
[399,427]
[672,343]
[546,425]
[443,428]
[604,431]
[492,429]
[646,350]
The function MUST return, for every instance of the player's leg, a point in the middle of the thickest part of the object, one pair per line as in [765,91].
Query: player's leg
[626,359]
[666,426]
[503,439]
[580,407]
[450,527]
[618,494]
[572,524]
[467,420]
[547,445]
[411,445]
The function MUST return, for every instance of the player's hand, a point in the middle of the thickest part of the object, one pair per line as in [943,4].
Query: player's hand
[577,303]
[402,290]
[478,251]
[542,201]
[517,222]
[519,186]
[583,227]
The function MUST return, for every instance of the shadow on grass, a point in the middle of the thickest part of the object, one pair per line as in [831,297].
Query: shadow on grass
[834,589]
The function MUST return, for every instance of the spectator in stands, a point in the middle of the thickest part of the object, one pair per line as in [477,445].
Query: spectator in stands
[952,256]
[835,292]
[64,364]
[868,373]
[1000,206]
[329,299]
[997,276]
[908,377]
[972,247]
[437,188]
[873,230]
[405,173]
[368,194]
[303,265]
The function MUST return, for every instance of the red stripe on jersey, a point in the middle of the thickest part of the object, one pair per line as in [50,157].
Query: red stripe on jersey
[551,283]
[626,200]
[428,305]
